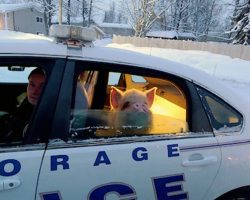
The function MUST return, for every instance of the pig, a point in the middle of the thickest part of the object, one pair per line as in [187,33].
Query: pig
[132,109]
[132,100]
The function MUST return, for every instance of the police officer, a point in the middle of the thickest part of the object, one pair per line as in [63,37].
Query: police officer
[15,125]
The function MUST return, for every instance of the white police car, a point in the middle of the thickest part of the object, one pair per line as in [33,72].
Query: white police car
[194,143]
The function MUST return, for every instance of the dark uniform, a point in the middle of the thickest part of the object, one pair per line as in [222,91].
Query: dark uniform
[12,126]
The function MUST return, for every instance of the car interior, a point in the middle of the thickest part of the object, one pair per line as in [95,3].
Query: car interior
[13,88]
[168,110]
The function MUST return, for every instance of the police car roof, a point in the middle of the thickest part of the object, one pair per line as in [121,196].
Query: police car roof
[17,43]
[25,43]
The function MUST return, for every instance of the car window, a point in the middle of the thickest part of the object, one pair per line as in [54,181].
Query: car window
[14,74]
[150,105]
[138,79]
[22,88]
[223,117]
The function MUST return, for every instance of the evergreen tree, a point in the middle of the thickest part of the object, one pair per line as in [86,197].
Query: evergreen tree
[241,30]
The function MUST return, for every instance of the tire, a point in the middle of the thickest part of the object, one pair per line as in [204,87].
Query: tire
[236,196]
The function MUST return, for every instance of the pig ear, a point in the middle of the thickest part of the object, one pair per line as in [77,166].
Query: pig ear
[150,96]
[115,97]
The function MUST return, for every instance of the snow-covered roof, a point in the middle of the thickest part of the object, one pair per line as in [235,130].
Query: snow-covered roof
[14,7]
[187,35]
[26,43]
[115,25]
[31,44]
[163,34]
[170,34]
[16,43]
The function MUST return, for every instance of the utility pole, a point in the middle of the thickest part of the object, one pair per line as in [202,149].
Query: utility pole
[60,13]
[5,21]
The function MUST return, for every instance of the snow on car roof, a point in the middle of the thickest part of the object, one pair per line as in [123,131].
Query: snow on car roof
[26,43]
[30,44]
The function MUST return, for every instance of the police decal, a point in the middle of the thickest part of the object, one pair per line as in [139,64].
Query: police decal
[62,162]
[165,188]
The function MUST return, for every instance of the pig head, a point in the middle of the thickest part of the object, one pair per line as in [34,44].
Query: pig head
[132,114]
[132,100]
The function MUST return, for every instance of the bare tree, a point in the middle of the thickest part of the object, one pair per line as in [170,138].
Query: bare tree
[181,8]
[49,9]
[90,12]
[208,16]
[68,12]
[141,14]
[110,15]
[84,12]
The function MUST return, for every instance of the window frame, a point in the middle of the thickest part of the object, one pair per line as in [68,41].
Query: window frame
[78,66]
[39,122]
[202,92]
[39,19]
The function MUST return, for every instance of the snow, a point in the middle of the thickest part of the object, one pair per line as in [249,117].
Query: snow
[232,72]
[14,7]
[77,20]
[27,43]
[115,25]
[162,34]
[170,34]
[8,35]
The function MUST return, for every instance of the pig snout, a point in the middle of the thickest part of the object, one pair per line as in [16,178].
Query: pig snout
[140,107]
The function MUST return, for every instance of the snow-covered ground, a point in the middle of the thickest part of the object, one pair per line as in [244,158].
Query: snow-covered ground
[233,72]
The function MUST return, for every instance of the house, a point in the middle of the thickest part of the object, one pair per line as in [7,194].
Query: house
[22,17]
[163,34]
[174,35]
[214,36]
[111,29]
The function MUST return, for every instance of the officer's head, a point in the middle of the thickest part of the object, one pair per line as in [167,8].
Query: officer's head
[36,81]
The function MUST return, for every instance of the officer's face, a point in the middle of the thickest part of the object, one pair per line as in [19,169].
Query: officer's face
[35,86]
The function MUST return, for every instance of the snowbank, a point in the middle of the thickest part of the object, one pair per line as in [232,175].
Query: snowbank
[233,72]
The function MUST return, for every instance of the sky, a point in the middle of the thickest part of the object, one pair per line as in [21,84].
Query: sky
[232,72]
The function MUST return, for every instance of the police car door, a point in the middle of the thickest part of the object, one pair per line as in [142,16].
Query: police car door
[21,157]
[91,158]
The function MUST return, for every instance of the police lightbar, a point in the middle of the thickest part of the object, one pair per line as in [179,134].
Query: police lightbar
[69,32]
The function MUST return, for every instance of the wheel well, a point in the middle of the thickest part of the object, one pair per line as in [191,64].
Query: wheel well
[245,190]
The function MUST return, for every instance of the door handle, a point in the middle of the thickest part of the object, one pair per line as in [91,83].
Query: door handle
[9,184]
[200,161]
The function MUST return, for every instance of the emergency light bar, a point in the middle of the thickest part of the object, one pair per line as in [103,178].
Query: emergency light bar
[69,32]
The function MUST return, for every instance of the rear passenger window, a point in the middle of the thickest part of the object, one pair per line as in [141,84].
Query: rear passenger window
[223,118]
[118,104]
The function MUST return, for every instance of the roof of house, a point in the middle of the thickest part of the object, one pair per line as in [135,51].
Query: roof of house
[170,34]
[115,25]
[14,7]
[163,34]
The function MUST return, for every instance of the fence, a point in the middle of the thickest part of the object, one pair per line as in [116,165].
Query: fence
[234,51]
